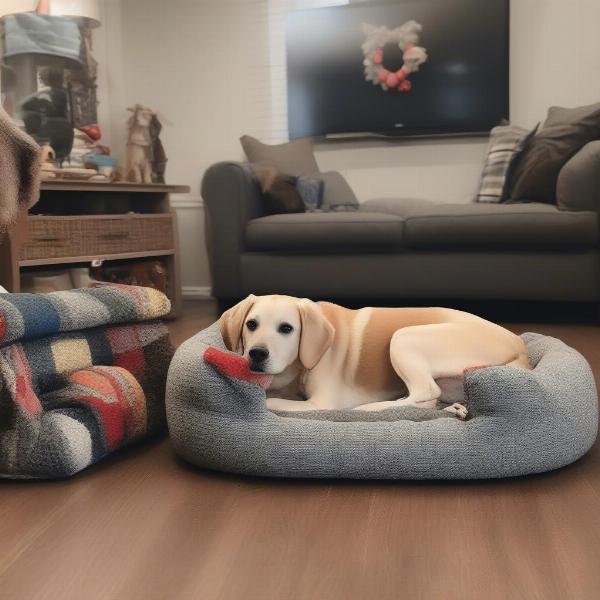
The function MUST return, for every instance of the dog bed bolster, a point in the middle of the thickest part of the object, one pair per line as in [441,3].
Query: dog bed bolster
[520,422]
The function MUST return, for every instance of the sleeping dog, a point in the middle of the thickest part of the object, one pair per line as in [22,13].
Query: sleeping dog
[367,359]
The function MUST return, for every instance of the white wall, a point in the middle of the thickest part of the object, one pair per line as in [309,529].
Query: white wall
[196,63]
[212,67]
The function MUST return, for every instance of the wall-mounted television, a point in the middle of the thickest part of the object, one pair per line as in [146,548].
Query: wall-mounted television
[404,68]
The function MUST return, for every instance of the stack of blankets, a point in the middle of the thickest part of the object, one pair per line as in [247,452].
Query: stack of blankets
[82,373]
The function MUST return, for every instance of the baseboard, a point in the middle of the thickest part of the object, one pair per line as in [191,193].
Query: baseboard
[191,292]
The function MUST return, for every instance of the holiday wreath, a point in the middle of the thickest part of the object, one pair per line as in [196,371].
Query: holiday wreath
[413,56]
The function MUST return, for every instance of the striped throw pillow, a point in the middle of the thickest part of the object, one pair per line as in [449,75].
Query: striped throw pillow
[507,142]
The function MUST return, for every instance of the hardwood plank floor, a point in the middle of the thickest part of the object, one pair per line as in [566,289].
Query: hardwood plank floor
[144,525]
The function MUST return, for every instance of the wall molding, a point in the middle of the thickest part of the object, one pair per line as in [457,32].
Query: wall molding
[191,292]
[194,202]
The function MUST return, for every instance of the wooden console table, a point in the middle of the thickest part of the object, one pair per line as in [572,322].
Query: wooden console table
[77,222]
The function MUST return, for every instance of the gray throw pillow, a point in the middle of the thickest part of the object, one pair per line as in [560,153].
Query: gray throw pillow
[578,185]
[294,158]
[557,115]
[506,144]
[564,133]
[337,194]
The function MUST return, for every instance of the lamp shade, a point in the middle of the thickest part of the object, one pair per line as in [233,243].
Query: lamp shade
[87,11]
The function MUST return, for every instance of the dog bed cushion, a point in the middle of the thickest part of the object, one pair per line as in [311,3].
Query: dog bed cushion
[520,422]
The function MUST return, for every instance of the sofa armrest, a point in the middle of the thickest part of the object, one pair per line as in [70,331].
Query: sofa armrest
[231,199]
[578,185]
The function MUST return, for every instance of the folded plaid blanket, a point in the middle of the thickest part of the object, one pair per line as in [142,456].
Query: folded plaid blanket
[81,374]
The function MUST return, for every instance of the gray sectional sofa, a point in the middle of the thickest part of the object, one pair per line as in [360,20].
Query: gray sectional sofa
[397,249]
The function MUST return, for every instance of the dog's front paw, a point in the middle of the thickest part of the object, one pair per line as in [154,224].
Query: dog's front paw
[458,410]
[275,403]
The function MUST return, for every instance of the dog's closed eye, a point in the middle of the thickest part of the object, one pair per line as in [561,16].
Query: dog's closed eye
[285,328]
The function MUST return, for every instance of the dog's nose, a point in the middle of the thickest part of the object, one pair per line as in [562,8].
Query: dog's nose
[259,355]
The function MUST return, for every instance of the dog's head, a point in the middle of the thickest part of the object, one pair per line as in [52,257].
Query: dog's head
[273,332]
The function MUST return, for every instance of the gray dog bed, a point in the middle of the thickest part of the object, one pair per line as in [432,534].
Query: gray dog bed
[520,422]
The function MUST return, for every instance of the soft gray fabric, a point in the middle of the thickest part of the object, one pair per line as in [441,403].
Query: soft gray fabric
[293,158]
[427,226]
[337,194]
[564,133]
[484,226]
[231,198]
[521,422]
[578,185]
[433,275]
[315,231]
[403,207]
[559,115]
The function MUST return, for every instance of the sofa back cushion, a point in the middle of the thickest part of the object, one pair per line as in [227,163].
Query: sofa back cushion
[337,193]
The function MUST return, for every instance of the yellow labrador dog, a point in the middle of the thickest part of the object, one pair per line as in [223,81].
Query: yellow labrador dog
[367,359]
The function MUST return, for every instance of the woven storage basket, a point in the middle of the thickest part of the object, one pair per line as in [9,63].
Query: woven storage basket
[54,237]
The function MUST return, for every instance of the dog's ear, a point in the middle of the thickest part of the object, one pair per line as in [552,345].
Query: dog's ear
[232,321]
[316,336]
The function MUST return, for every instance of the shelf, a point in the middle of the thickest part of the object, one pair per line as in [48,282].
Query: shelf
[65,185]
[41,262]
[113,216]
[149,207]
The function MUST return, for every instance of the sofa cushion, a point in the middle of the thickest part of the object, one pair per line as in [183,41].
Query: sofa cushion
[431,226]
[578,185]
[337,194]
[563,134]
[317,231]
[293,158]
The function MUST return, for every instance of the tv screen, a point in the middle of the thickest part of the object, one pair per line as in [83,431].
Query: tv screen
[415,67]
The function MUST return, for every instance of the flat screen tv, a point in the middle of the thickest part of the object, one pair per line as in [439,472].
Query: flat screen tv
[407,68]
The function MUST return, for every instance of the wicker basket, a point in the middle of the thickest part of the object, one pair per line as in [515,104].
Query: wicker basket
[97,236]
[52,237]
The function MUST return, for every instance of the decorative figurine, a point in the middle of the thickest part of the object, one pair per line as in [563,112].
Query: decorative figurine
[146,158]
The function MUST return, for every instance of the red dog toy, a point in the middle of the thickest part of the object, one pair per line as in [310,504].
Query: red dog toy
[232,365]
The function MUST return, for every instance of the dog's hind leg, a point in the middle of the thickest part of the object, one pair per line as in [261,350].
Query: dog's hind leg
[413,366]
[419,354]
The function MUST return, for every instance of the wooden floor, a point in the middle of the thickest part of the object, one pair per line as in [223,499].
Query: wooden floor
[146,526]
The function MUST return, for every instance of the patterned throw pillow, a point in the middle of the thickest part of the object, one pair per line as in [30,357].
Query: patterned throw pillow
[311,192]
[507,142]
